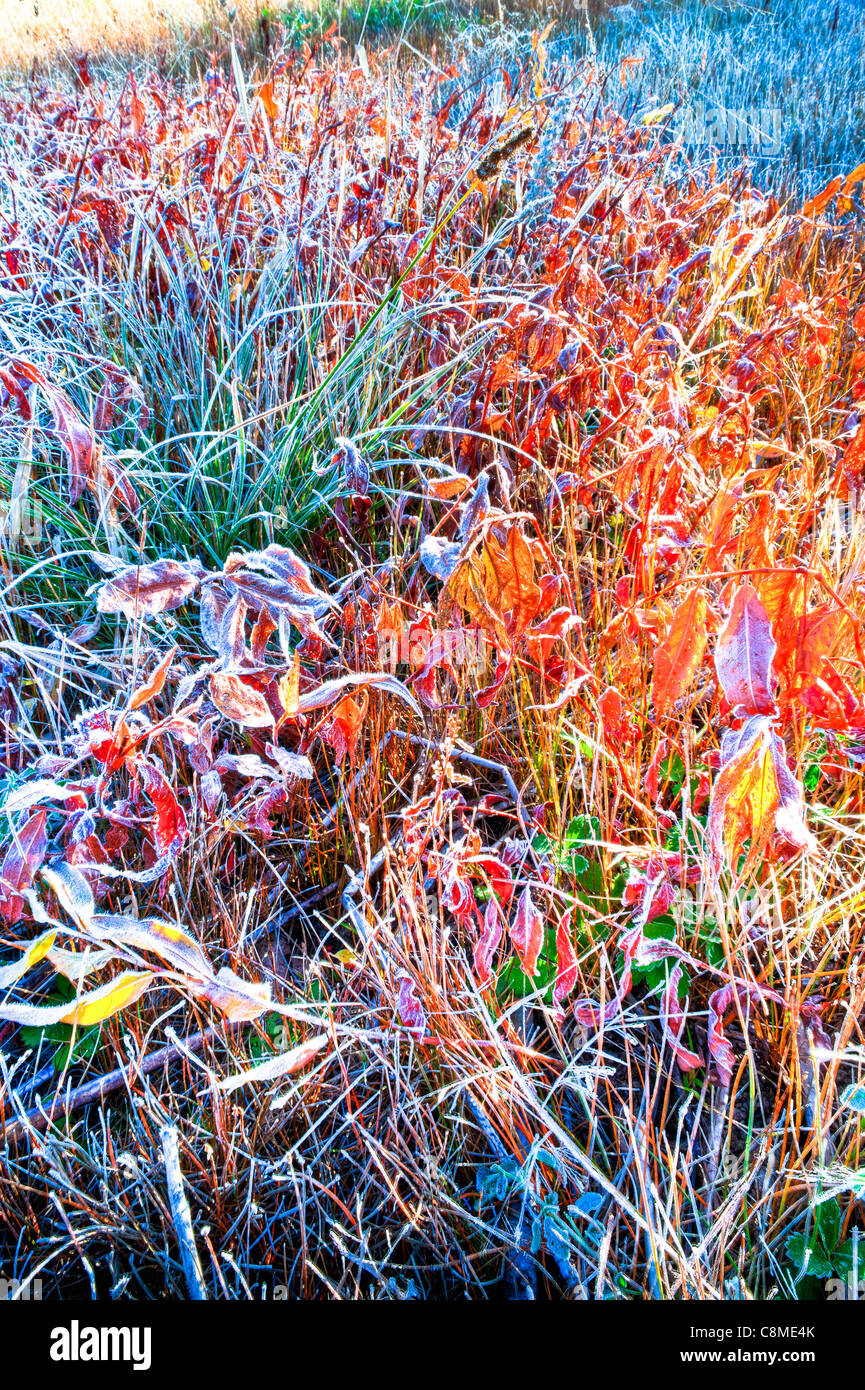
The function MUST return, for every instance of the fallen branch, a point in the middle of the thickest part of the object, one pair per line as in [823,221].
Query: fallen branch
[181,1215]
[93,1092]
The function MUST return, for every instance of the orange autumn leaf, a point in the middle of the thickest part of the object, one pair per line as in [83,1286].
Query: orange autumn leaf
[819,635]
[268,100]
[855,176]
[831,701]
[755,795]
[448,488]
[510,588]
[719,523]
[816,205]
[289,688]
[803,640]
[783,595]
[678,657]
[153,686]
[744,801]
[344,725]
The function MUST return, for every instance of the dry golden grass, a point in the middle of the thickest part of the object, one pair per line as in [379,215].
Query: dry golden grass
[49,31]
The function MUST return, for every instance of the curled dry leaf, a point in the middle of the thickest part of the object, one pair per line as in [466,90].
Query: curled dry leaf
[266,96]
[476,508]
[744,652]
[86,465]
[409,1007]
[720,1002]
[820,201]
[291,765]
[448,487]
[149,875]
[275,1067]
[278,580]
[262,630]
[487,944]
[329,690]
[143,591]
[673,1021]
[20,863]
[344,726]
[527,933]
[355,469]
[244,765]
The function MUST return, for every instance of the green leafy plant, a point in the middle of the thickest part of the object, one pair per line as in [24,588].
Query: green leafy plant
[820,1252]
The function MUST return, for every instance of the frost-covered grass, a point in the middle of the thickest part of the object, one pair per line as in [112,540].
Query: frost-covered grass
[792,68]
[576,997]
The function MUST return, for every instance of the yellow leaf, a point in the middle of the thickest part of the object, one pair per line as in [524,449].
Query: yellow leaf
[660,114]
[110,999]
[36,951]
[289,688]
[88,1009]
[755,794]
